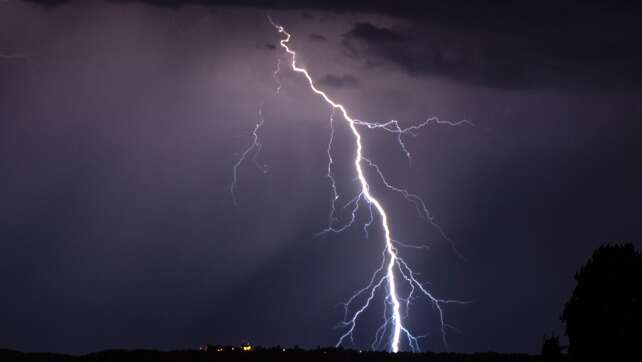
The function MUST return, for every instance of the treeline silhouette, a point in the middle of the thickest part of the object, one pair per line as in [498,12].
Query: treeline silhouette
[264,355]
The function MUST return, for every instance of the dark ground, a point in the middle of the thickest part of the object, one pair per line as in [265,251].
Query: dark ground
[275,354]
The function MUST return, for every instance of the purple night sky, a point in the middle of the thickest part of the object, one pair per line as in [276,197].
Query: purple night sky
[120,122]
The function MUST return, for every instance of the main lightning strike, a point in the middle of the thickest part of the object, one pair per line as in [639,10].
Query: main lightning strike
[392,265]
[365,191]
[393,260]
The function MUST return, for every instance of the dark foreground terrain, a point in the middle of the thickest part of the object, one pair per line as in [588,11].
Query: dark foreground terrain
[274,354]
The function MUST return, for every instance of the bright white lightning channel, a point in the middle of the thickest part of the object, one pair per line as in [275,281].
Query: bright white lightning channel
[393,268]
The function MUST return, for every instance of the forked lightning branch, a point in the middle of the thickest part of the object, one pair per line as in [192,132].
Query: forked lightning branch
[393,334]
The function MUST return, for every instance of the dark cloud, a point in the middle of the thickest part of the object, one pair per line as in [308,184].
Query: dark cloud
[270,46]
[574,45]
[48,3]
[374,34]
[317,37]
[575,59]
[340,81]
[492,14]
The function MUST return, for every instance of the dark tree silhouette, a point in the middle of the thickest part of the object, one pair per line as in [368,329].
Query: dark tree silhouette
[551,349]
[604,315]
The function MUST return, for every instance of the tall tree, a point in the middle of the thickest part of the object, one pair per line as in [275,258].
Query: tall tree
[604,315]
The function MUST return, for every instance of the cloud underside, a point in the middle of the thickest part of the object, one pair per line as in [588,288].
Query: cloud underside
[340,81]
[499,60]
[491,43]
[317,37]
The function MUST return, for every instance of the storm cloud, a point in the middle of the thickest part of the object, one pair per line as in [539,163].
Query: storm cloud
[576,45]
[340,81]
[317,37]
[551,59]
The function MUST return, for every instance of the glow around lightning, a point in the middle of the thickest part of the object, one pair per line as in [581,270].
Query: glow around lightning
[393,269]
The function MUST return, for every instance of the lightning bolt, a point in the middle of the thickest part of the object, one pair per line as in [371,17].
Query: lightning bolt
[393,269]
[255,149]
